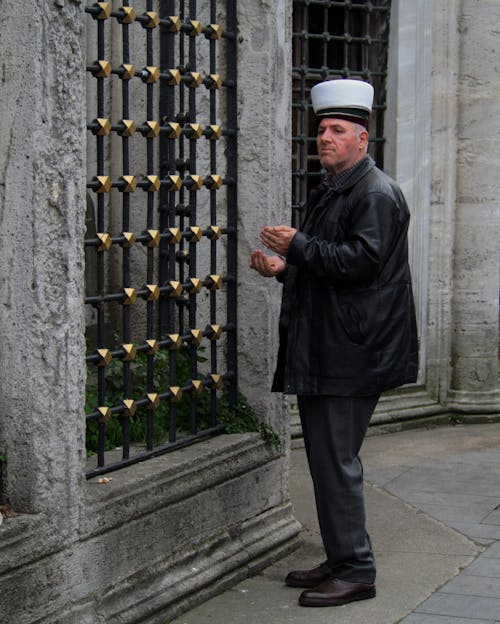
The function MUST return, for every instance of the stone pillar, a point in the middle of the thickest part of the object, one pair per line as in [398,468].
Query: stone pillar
[42,369]
[42,202]
[264,88]
[408,146]
[475,329]
[444,89]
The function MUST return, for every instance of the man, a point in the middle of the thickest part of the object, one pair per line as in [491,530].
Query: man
[347,329]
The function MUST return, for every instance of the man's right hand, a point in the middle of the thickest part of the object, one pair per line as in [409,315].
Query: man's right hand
[267,266]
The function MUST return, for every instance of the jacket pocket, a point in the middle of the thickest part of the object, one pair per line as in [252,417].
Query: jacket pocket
[354,312]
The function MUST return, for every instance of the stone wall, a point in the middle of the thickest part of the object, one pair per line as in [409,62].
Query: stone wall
[442,106]
[42,199]
[167,533]
[464,279]
[476,276]
[264,195]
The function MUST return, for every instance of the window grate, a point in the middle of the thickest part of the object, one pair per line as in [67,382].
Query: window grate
[334,40]
[160,245]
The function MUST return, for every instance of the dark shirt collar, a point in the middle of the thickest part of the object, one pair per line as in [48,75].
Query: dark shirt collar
[342,180]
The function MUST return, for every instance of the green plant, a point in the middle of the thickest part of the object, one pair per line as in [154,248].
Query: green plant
[242,419]
[237,419]
[114,393]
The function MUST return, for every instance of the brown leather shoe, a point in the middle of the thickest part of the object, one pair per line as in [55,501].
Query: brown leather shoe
[308,578]
[334,592]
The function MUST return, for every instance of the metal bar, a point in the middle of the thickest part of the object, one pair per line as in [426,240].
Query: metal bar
[192,216]
[150,223]
[101,338]
[126,277]
[213,215]
[232,204]
[213,312]
[160,450]
[167,154]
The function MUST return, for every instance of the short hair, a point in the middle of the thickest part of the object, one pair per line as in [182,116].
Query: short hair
[359,129]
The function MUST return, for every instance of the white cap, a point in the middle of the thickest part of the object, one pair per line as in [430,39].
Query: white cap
[343,98]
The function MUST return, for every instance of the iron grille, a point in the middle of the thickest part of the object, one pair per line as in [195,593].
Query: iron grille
[161,227]
[334,40]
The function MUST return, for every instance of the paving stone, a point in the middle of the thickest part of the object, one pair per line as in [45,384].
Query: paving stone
[477,530]
[384,476]
[423,618]
[493,517]
[485,566]
[455,499]
[480,458]
[461,606]
[492,551]
[469,585]
[472,513]
[437,479]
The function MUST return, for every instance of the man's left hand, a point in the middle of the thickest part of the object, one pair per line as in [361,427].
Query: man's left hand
[277,238]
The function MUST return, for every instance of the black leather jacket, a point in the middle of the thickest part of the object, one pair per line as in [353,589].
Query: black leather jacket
[347,324]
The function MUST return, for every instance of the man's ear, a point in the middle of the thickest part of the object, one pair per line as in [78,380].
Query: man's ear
[363,136]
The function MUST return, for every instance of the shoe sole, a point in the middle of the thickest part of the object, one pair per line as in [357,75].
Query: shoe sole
[336,603]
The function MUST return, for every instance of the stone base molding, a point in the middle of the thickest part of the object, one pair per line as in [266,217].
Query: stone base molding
[148,547]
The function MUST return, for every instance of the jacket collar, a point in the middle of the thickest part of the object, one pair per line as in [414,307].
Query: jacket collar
[349,177]
[322,193]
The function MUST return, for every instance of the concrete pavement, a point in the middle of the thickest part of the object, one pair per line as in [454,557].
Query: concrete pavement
[433,508]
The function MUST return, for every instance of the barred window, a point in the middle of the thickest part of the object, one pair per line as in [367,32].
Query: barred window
[334,40]
[161,226]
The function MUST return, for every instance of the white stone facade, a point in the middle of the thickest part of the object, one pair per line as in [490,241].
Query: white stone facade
[443,100]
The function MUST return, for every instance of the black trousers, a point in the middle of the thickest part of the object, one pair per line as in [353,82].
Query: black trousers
[334,429]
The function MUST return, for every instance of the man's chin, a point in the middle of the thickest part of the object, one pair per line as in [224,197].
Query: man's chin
[328,165]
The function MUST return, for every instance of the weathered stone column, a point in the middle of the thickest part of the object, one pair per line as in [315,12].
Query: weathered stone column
[444,89]
[474,382]
[264,154]
[42,370]
[42,203]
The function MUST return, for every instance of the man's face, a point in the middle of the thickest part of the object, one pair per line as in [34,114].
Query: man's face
[340,144]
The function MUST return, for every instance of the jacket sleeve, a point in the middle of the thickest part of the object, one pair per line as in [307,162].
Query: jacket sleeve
[370,233]
[281,277]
